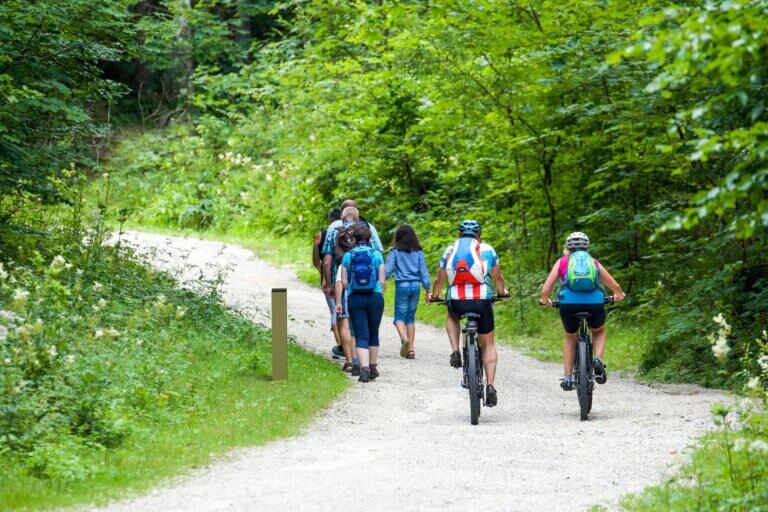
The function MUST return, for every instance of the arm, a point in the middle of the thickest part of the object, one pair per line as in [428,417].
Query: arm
[344,277]
[327,273]
[390,267]
[440,279]
[607,279]
[554,274]
[338,291]
[316,256]
[383,278]
[375,240]
[424,272]
[498,281]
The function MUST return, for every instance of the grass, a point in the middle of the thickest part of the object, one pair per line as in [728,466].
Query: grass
[185,389]
[241,407]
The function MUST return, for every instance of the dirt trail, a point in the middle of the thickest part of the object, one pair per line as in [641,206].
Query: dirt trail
[405,442]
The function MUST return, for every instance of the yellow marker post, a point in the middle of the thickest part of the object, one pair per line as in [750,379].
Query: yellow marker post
[279,334]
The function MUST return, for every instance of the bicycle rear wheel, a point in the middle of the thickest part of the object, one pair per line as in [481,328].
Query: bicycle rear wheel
[582,381]
[474,392]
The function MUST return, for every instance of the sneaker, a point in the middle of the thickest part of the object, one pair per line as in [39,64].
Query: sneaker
[337,352]
[490,396]
[601,375]
[365,375]
[567,383]
[374,371]
[355,370]
[456,360]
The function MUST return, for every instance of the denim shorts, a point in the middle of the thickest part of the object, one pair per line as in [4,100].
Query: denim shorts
[332,308]
[406,301]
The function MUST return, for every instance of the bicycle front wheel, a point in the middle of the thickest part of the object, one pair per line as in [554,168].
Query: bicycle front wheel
[583,389]
[474,393]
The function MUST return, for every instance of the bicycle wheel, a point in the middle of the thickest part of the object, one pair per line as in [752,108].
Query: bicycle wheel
[474,393]
[582,380]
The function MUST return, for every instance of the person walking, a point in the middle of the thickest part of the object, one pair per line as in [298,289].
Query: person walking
[317,262]
[363,277]
[406,261]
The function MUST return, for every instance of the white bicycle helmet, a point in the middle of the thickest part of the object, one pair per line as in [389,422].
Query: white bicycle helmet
[577,241]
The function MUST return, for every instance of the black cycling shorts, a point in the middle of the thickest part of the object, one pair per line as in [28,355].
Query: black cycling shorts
[484,308]
[571,323]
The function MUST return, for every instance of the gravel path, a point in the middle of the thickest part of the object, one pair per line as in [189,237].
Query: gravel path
[405,442]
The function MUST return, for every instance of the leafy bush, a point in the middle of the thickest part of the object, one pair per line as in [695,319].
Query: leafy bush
[94,345]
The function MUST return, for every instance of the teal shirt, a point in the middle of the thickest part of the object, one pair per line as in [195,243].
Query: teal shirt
[378,261]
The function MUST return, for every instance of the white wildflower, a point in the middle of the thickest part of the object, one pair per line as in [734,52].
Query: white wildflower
[740,443]
[58,263]
[721,349]
[96,308]
[753,383]
[70,359]
[759,446]
[3,273]
[20,298]
[7,317]
[97,286]
[139,342]
[53,351]
[3,333]
[180,312]
[102,303]
[112,333]
[99,333]
[7,360]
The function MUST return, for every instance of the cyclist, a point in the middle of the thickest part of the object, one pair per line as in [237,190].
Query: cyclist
[468,265]
[580,276]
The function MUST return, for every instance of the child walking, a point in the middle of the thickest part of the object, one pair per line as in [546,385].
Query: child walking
[407,262]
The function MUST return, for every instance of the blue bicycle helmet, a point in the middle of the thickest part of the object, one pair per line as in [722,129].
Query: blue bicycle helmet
[470,227]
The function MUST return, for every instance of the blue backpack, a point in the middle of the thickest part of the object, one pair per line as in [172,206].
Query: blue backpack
[581,275]
[362,275]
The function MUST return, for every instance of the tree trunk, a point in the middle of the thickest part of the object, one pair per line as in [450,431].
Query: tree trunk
[520,198]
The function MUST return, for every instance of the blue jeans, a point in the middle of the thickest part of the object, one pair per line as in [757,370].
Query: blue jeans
[365,312]
[406,301]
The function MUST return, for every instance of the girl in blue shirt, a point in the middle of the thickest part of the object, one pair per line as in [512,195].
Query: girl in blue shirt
[365,304]
[407,262]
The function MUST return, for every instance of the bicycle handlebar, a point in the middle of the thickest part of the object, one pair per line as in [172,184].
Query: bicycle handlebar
[496,298]
[608,299]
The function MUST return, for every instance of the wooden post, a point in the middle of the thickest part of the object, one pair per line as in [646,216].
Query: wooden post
[279,334]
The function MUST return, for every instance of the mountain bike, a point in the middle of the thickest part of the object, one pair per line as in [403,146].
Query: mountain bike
[583,371]
[473,378]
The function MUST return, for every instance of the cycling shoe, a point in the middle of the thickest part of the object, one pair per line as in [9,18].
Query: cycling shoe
[567,383]
[490,396]
[601,375]
[456,360]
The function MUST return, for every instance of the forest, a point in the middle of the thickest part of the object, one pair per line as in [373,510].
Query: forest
[643,124]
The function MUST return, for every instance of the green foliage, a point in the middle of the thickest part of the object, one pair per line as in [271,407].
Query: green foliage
[536,120]
[50,80]
[106,364]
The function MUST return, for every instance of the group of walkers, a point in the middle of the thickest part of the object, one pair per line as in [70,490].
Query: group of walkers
[353,273]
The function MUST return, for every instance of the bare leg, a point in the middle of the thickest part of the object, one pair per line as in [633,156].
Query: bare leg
[490,357]
[400,328]
[569,352]
[453,329]
[374,354]
[411,328]
[336,335]
[598,341]
[347,343]
[364,355]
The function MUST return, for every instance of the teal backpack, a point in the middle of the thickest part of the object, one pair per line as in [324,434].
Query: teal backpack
[581,275]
